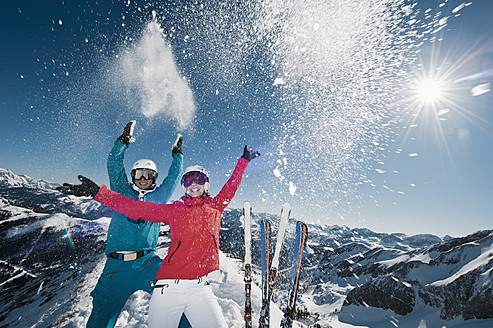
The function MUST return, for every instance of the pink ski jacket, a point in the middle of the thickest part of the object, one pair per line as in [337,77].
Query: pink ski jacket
[194,223]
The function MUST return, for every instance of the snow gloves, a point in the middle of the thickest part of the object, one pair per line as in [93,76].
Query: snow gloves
[177,145]
[249,154]
[127,137]
[87,188]
[127,134]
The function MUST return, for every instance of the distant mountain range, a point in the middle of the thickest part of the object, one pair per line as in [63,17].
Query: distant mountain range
[344,270]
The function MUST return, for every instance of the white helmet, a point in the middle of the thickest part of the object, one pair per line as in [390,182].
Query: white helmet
[196,169]
[144,164]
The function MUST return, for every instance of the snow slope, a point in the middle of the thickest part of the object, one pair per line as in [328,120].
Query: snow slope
[227,284]
[61,298]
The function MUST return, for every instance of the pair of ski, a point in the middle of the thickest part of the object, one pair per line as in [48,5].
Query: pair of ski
[269,272]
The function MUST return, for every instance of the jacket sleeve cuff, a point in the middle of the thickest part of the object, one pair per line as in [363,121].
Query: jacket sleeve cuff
[102,193]
[242,162]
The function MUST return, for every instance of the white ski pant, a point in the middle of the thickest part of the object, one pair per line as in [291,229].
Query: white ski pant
[171,298]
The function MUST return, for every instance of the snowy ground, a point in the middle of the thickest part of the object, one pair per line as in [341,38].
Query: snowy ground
[227,284]
[362,317]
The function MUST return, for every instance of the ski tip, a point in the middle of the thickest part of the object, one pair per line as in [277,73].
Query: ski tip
[286,207]
[303,225]
[303,228]
[247,208]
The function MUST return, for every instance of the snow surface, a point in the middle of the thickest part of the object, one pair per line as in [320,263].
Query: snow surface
[362,317]
[227,284]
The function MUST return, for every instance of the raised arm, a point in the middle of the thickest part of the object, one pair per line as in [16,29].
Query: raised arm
[116,170]
[165,190]
[229,189]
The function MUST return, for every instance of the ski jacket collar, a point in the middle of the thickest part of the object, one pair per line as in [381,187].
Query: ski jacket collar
[194,201]
[142,192]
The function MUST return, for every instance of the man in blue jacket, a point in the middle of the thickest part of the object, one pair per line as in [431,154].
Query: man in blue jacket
[131,263]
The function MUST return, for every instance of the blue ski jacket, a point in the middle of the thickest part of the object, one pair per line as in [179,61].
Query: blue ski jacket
[125,234]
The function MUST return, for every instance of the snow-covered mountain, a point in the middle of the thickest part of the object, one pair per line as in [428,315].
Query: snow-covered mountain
[10,179]
[409,275]
[51,256]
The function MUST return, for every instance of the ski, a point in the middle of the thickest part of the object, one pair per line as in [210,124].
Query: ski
[283,224]
[300,243]
[247,220]
[265,250]
[272,270]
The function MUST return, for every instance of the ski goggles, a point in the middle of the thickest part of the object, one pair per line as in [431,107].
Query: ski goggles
[147,174]
[198,178]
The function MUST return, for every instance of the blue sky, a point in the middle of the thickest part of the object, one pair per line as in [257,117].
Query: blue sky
[326,92]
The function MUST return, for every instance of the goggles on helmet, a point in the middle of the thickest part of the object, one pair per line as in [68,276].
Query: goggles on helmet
[197,177]
[147,174]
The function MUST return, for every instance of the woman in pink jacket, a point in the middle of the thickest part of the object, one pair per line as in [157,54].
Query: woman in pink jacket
[195,221]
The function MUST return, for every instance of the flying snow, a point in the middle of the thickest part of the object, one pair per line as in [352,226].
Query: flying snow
[334,68]
[149,71]
[292,188]
[338,63]
[278,81]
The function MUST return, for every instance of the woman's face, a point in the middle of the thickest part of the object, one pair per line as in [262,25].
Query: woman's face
[195,190]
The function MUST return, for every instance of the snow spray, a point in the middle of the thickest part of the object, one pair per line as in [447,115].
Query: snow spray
[150,73]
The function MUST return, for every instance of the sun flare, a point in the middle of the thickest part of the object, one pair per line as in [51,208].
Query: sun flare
[429,90]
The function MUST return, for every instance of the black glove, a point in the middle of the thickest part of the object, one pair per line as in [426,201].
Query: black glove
[87,188]
[177,145]
[127,134]
[249,154]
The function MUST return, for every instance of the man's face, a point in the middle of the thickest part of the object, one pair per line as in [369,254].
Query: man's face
[143,178]
[143,183]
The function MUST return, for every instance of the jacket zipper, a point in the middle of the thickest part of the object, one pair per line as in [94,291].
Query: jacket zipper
[215,244]
[179,243]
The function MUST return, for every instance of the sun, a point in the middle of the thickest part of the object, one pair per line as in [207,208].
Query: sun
[430,96]
[433,98]
[429,90]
